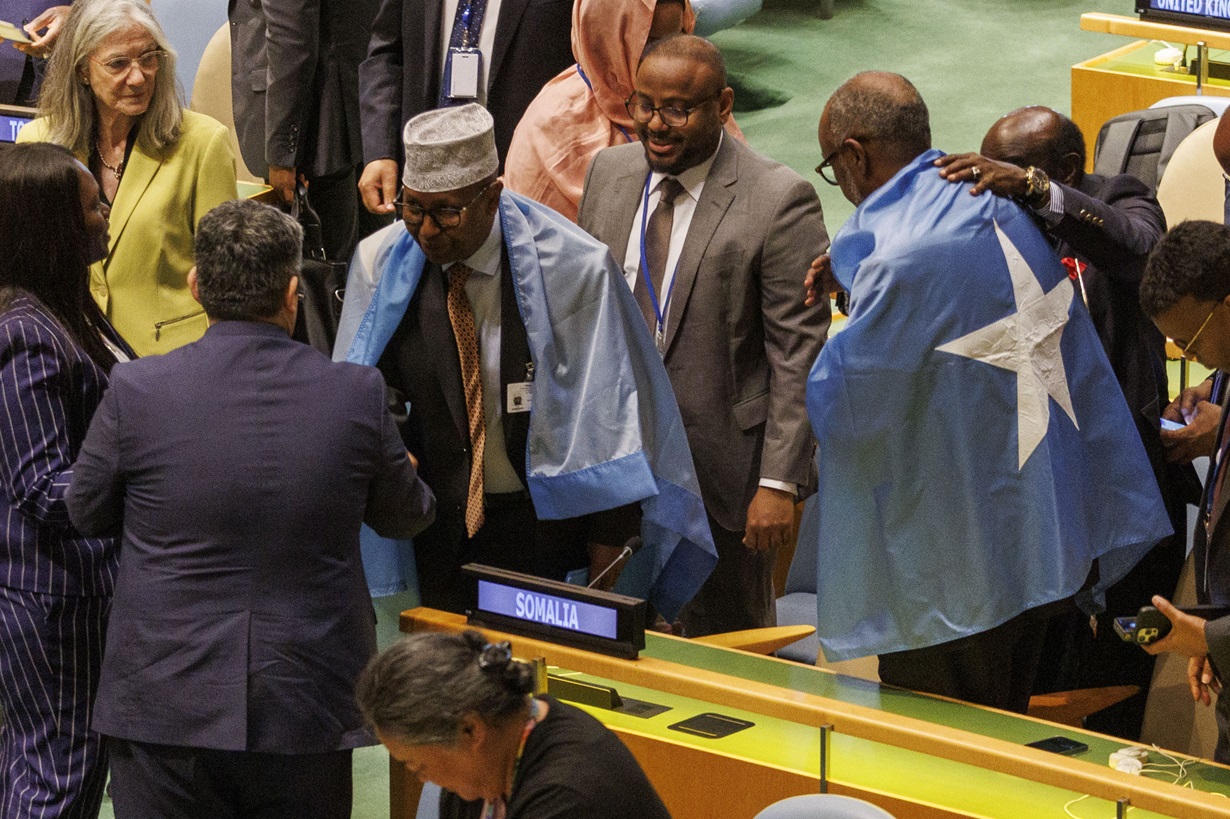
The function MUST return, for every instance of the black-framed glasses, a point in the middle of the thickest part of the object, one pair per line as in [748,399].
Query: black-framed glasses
[148,64]
[446,218]
[1185,346]
[642,112]
[826,166]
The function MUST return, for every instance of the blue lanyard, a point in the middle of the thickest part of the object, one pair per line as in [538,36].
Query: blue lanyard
[659,310]
[590,86]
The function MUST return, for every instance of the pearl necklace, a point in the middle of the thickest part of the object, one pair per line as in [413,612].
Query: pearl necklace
[118,170]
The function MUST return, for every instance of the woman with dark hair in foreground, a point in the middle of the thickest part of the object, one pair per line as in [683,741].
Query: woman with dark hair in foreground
[56,350]
[458,711]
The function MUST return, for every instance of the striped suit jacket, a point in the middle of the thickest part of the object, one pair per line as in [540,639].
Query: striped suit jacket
[49,388]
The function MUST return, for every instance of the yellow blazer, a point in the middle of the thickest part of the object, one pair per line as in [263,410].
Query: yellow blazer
[142,285]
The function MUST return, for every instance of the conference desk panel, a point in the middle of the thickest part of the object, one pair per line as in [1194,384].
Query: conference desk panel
[916,755]
[1125,80]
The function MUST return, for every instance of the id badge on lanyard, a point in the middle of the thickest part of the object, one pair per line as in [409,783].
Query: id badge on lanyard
[462,71]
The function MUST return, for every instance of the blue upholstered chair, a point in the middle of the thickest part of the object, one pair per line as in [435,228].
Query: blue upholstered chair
[797,607]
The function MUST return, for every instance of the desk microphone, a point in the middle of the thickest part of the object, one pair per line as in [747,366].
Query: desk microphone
[630,548]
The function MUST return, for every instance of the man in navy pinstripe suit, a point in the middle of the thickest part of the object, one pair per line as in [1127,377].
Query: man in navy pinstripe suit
[241,466]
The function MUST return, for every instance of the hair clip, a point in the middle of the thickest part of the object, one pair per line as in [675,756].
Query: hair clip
[495,656]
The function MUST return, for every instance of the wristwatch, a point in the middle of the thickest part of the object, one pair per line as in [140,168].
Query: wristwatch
[1037,186]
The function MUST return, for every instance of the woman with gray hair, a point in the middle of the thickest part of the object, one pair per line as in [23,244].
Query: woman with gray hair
[458,711]
[110,96]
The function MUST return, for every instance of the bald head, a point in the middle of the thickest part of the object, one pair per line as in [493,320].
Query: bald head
[881,106]
[873,126]
[1221,143]
[1041,137]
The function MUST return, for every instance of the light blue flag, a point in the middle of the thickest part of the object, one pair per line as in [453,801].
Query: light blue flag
[975,451]
[605,429]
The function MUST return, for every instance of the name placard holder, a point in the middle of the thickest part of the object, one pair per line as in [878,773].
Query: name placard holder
[12,119]
[558,612]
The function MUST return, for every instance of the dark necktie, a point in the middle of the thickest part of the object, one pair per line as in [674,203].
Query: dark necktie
[462,318]
[657,249]
[467,27]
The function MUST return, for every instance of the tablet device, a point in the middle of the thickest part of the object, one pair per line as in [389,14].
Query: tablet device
[711,726]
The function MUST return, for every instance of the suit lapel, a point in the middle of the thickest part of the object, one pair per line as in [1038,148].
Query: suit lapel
[438,335]
[628,189]
[138,175]
[714,201]
[511,12]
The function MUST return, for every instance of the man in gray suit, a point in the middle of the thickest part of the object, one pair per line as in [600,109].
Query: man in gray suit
[718,279]
[240,473]
[295,90]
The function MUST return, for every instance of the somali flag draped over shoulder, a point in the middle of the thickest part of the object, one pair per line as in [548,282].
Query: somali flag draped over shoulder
[975,451]
[605,429]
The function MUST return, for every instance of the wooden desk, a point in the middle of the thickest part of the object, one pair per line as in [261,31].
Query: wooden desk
[1126,80]
[917,756]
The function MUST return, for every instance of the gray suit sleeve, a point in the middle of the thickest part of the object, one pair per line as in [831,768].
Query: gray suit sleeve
[794,333]
[95,497]
[292,44]
[399,504]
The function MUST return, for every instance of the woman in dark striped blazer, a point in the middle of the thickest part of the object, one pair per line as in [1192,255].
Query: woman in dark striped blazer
[56,350]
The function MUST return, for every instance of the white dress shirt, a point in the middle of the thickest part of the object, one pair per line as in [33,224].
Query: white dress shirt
[483,292]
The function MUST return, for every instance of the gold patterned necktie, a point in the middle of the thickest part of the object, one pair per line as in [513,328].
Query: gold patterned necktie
[462,318]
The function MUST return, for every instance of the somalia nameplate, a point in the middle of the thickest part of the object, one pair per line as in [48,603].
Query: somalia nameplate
[561,613]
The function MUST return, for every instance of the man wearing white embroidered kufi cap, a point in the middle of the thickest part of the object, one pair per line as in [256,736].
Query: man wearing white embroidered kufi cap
[539,410]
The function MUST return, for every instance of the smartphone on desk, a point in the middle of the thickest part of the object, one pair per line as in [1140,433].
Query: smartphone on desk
[1059,745]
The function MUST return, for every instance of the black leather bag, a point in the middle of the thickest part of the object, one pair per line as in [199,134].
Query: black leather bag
[322,283]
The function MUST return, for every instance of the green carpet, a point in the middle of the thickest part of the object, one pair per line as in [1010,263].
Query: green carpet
[972,60]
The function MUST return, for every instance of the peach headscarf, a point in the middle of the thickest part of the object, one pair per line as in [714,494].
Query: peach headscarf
[581,110]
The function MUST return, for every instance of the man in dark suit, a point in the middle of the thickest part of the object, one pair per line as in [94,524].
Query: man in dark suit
[1103,229]
[241,471]
[428,364]
[726,307]
[523,44]
[538,406]
[1198,407]
[295,90]
[1186,290]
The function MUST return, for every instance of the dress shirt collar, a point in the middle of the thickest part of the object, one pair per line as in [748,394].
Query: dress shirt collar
[693,179]
[486,259]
